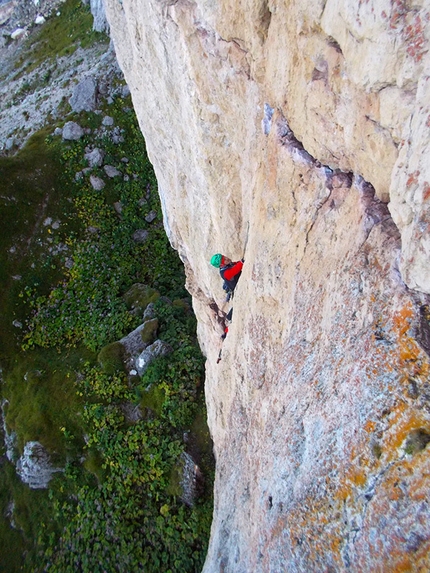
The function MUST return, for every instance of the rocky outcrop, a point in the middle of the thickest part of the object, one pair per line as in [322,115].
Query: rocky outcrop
[34,467]
[296,134]
[100,23]
[89,77]
[155,350]
[8,436]
[72,131]
[84,96]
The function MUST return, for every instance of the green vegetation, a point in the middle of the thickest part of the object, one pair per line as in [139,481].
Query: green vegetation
[42,399]
[60,36]
[116,507]
[39,385]
[129,521]
[32,189]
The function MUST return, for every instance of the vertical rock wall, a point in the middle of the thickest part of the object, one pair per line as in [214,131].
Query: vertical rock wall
[296,133]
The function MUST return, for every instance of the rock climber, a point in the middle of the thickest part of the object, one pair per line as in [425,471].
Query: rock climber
[230,272]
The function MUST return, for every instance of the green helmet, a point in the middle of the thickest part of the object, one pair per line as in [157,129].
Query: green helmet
[216,260]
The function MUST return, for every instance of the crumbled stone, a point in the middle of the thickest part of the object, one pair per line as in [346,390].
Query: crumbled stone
[18,34]
[10,143]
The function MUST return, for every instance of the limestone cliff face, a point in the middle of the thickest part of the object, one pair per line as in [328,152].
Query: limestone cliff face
[297,134]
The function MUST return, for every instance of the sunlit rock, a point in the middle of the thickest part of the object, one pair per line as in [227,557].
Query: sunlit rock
[279,133]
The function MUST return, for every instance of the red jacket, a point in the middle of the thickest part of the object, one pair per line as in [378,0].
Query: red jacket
[231,270]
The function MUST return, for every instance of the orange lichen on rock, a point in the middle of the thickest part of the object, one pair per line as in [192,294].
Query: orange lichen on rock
[402,319]
[369,426]
[403,422]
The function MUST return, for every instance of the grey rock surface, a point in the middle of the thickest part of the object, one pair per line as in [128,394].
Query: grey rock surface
[158,348]
[97,183]
[108,121]
[84,97]
[34,466]
[111,171]
[72,131]
[140,236]
[100,23]
[149,312]
[151,216]
[95,157]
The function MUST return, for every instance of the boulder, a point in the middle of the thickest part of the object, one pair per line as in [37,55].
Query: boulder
[111,171]
[18,34]
[108,121]
[149,312]
[140,236]
[97,183]
[137,340]
[84,97]
[151,216]
[122,354]
[10,143]
[157,349]
[111,357]
[118,206]
[34,466]
[95,157]
[72,131]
